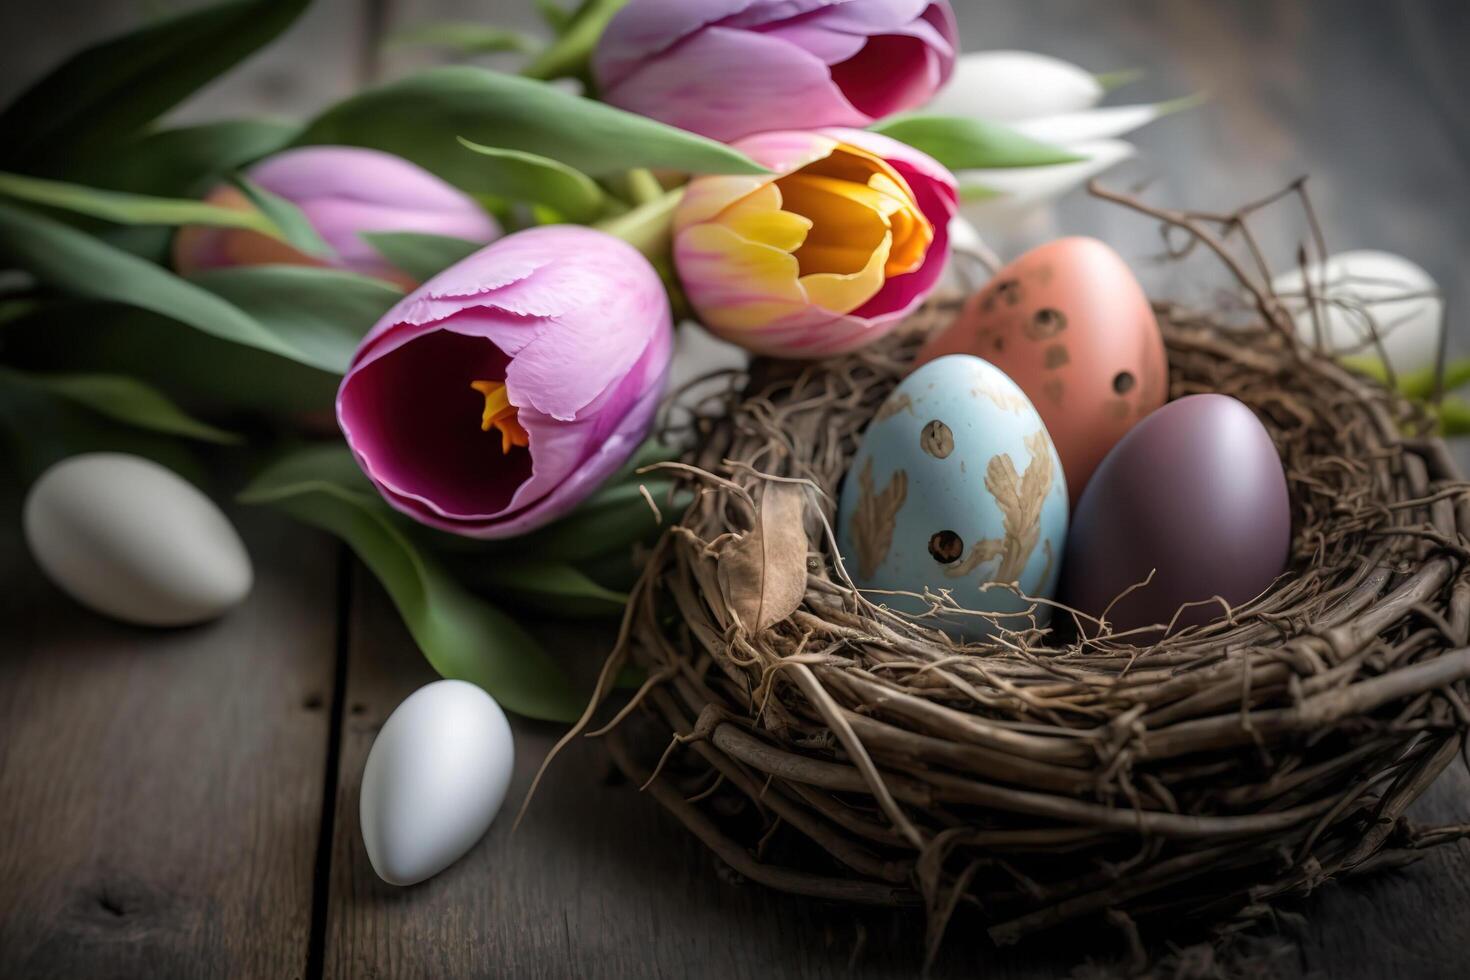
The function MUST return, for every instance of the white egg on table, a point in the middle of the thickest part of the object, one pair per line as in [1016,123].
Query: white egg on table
[1401,299]
[135,541]
[435,779]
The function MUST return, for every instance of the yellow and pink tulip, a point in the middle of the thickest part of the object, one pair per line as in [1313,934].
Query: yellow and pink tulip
[828,252]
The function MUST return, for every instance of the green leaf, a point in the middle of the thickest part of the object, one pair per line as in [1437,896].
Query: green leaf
[555,588]
[572,52]
[614,518]
[39,427]
[521,176]
[961,143]
[1423,384]
[418,117]
[1454,417]
[203,373]
[970,193]
[108,91]
[84,266]
[1419,385]
[461,635]
[419,255]
[125,400]
[461,36]
[295,228]
[130,209]
[648,227]
[1112,80]
[321,313]
[185,161]
[555,16]
[17,308]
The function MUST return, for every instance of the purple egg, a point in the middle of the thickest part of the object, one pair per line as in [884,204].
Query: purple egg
[1194,493]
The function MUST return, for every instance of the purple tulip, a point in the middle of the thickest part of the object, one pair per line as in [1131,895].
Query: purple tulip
[730,68]
[343,191]
[503,391]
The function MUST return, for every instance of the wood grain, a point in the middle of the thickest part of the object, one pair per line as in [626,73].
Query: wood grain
[160,791]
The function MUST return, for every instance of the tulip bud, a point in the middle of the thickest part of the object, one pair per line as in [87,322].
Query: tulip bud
[1009,86]
[503,391]
[729,68]
[343,191]
[829,252]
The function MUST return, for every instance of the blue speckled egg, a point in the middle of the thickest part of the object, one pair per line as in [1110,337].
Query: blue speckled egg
[956,485]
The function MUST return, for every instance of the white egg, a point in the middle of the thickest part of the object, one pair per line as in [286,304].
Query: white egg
[1400,297]
[435,779]
[133,540]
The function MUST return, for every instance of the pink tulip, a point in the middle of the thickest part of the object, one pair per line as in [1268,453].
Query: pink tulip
[343,191]
[503,391]
[828,253]
[729,68]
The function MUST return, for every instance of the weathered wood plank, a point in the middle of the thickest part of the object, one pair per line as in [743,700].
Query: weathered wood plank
[161,791]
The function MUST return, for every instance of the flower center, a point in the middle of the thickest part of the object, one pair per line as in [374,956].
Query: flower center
[500,414]
[860,209]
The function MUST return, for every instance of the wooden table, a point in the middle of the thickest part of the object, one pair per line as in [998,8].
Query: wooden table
[184,803]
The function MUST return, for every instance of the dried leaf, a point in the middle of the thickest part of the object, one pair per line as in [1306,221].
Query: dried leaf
[763,572]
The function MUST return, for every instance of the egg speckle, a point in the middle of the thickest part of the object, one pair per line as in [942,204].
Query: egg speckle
[956,487]
[1070,325]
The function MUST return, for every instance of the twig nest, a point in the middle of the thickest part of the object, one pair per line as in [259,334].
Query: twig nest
[847,750]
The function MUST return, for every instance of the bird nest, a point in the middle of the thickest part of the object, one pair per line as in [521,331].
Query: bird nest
[825,745]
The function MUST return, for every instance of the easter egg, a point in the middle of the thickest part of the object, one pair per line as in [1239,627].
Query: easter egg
[435,778]
[133,540]
[956,485]
[1069,323]
[1195,496]
[1400,297]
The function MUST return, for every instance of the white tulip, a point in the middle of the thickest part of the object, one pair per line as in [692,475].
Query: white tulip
[1362,291]
[1096,124]
[1004,86]
[1018,191]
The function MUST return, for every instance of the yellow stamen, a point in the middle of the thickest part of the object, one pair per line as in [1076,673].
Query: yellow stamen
[500,414]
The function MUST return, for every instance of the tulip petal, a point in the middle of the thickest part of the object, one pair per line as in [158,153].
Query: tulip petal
[1096,124]
[356,173]
[823,62]
[1022,188]
[341,223]
[1005,86]
[690,86]
[412,420]
[843,293]
[759,218]
[742,284]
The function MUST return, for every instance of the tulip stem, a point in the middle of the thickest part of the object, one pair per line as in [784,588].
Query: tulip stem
[647,226]
[643,186]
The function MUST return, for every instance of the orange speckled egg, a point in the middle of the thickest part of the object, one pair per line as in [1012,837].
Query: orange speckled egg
[1071,325]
